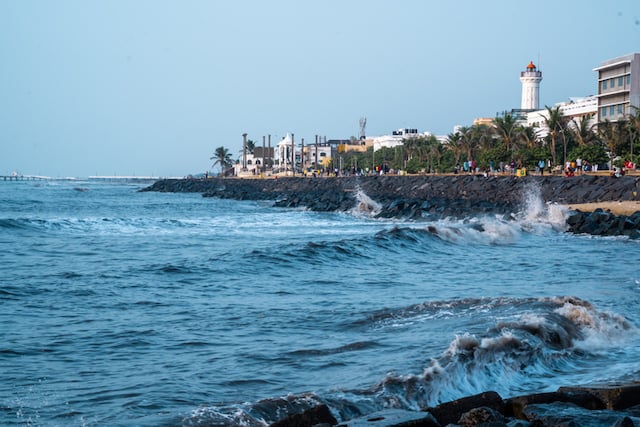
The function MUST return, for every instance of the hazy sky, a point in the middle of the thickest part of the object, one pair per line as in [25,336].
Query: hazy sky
[152,87]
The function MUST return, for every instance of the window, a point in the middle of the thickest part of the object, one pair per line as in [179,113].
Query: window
[628,79]
[613,83]
[612,110]
[323,154]
[604,85]
[619,108]
[604,111]
[620,81]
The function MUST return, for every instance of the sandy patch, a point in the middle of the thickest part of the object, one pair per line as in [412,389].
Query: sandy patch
[616,208]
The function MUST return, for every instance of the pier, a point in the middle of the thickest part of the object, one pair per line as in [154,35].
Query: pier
[14,177]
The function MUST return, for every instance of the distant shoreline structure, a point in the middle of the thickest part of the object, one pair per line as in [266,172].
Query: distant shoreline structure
[99,178]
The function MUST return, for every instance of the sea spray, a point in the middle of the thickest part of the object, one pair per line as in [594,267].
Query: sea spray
[536,213]
[365,205]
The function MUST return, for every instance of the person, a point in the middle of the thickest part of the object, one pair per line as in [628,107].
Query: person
[541,166]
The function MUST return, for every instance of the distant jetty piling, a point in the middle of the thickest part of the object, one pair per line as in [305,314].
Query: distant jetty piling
[23,178]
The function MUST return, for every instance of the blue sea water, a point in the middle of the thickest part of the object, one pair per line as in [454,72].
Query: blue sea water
[125,308]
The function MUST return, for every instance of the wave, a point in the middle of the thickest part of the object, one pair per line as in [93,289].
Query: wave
[546,336]
[419,238]
[534,215]
[98,225]
[532,337]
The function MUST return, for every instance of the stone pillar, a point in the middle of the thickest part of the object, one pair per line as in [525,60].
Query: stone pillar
[293,156]
[244,151]
[269,153]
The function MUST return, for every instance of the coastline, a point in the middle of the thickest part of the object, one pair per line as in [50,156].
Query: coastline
[598,205]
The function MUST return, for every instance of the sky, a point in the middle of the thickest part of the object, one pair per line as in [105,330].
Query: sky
[153,87]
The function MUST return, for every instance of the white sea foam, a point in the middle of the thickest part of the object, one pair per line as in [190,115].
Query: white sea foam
[537,215]
[601,330]
[365,206]
[479,230]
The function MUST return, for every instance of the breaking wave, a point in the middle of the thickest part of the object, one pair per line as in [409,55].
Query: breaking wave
[531,337]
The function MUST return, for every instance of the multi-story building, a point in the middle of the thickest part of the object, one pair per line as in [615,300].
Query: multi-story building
[618,87]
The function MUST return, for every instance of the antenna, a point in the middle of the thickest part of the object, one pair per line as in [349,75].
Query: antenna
[363,127]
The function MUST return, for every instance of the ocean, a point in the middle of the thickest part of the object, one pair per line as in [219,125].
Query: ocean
[126,308]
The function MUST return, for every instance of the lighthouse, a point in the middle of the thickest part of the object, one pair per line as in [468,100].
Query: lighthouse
[530,87]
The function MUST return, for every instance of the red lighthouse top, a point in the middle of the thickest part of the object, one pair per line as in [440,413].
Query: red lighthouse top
[531,66]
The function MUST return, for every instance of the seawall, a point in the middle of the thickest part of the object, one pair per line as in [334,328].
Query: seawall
[429,197]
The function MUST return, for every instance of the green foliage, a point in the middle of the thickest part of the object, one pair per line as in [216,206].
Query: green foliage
[496,154]
[530,156]
[593,153]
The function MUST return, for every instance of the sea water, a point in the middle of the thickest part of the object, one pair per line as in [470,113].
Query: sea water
[120,307]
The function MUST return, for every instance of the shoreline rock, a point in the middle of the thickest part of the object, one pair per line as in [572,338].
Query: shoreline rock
[433,197]
[614,405]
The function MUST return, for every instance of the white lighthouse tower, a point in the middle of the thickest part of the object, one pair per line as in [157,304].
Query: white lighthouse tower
[530,79]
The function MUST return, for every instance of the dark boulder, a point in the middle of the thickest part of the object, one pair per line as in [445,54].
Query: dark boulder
[451,412]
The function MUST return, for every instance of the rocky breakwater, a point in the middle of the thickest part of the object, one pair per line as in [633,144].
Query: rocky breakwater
[432,197]
[616,406]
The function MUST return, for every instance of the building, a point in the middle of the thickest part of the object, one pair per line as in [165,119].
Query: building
[395,139]
[282,154]
[618,87]
[574,110]
[530,79]
[317,156]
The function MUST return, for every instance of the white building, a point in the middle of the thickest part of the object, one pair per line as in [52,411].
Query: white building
[618,86]
[573,111]
[282,155]
[395,139]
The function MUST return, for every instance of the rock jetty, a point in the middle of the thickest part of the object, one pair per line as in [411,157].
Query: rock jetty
[615,406]
[433,197]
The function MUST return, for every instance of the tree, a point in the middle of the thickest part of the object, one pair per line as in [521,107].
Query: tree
[634,128]
[506,127]
[454,144]
[582,130]
[612,135]
[251,146]
[555,123]
[222,157]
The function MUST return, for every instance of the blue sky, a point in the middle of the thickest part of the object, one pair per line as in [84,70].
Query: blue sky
[152,87]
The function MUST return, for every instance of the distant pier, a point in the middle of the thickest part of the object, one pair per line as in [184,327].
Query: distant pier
[23,178]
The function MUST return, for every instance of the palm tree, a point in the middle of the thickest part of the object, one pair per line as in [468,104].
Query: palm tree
[526,135]
[468,141]
[582,130]
[555,124]
[634,127]
[612,134]
[223,158]
[507,129]
[454,143]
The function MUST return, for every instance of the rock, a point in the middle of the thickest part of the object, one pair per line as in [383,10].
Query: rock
[481,416]
[567,414]
[451,412]
[613,397]
[293,411]
[394,418]
[515,406]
